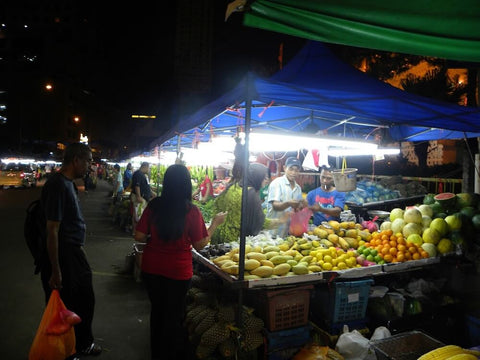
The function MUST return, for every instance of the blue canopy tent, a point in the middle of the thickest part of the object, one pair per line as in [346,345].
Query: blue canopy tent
[318,93]
[317,88]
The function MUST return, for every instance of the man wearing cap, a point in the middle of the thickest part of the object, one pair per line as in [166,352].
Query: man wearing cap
[325,201]
[285,195]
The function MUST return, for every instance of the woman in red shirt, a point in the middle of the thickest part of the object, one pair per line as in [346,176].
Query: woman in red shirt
[171,225]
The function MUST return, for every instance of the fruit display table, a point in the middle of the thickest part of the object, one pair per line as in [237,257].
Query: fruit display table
[318,277]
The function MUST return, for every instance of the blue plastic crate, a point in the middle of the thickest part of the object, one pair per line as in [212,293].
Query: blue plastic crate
[290,338]
[343,301]
[473,329]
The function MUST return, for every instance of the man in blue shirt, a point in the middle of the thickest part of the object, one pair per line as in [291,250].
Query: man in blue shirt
[67,268]
[325,201]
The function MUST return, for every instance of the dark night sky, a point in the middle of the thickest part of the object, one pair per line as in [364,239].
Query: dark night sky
[136,62]
[123,57]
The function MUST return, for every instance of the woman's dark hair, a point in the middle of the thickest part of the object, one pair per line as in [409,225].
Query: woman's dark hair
[170,209]
[256,174]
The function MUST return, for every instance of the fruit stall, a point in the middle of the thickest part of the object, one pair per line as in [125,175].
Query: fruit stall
[310,286]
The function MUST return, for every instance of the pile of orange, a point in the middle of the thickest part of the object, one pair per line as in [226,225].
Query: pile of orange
[394,248]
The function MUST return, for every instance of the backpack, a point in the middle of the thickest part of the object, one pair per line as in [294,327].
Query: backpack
[35,233]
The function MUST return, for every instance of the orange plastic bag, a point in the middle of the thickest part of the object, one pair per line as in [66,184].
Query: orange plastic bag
[299,222]
[55,337]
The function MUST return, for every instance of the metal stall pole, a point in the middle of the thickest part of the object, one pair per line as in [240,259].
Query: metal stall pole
[241,260]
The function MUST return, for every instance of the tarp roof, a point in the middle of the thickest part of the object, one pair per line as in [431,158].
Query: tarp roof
[317,92]
[439,28]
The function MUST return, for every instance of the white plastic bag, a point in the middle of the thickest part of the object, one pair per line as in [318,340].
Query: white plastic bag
[138,209]
[380,333]
[352,345]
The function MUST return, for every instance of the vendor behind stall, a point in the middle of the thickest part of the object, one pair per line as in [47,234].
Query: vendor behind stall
[325,201]
[285,195]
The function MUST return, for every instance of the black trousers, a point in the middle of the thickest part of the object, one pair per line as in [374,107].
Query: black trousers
[77,289]
[168,301]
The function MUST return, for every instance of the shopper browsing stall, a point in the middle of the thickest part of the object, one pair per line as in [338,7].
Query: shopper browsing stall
[325,201]
[205,190]
[230,201]
[171,225]
[117,182]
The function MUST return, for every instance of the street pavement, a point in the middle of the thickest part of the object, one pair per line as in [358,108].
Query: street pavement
[121,321]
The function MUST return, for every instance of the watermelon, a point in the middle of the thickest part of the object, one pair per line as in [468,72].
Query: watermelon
[446,199]
[463,200]
[468,211]
[476,221]
[429,199]
[437,208]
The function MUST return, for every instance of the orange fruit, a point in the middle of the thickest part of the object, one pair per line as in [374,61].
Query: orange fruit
[388,258]
[385,237]
[393,238]
[416,256]
[389,232]
[393,243]
[408,255]
[393,251]
[400,257]
[424,254]
[412,249]
[401,247]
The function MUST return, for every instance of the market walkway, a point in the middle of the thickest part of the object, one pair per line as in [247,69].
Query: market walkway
[121,323]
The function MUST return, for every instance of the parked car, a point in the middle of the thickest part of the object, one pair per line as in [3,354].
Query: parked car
[18,175]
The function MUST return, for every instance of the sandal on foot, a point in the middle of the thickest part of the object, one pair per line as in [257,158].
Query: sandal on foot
[92,350]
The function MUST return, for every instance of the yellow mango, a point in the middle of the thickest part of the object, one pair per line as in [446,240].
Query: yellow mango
[271,254]
[270,248]
[262,271]
[251,264]
[256,255]
[267,263]
[314,268]
[257,249]
[281,269]
[232,269]
[333,238]
[300,269]
[279,259]
[320,233]
[334,224]
[306,246]
[227,263]
[351,233]
[292,262]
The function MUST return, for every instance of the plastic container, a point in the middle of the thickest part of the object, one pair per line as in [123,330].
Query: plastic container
[473,329]
[284,308]
[405,346]
[289,338]
[345,179]
[342,301]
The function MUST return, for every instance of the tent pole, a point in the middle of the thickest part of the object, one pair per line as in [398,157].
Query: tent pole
[241,260]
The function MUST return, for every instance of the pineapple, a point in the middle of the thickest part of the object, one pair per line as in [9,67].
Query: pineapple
[218,333]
